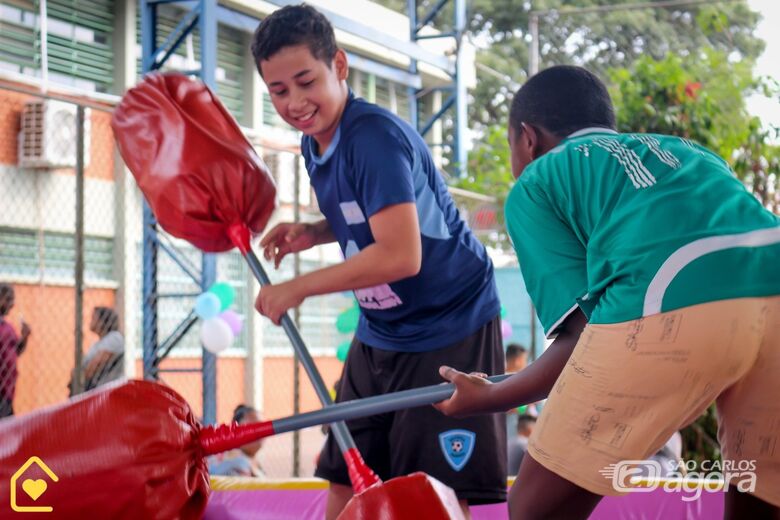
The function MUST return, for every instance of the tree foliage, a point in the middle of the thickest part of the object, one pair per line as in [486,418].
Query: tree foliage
[600,41]
[703,98]
[490,173]
[699,97]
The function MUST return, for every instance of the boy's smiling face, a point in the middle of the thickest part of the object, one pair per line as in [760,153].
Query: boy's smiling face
[307,93]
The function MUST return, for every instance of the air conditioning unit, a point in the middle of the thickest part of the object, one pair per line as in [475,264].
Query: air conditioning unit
[48,135]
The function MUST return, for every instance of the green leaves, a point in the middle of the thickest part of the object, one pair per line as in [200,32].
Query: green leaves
[700,97]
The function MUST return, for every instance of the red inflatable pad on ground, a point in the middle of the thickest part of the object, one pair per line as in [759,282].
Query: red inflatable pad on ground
[192,162]
[126,451]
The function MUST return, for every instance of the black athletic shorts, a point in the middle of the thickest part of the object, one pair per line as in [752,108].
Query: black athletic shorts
[469,455]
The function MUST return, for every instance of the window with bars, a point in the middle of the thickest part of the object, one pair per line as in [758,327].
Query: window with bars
[79,41]
[231,46]
[30,253]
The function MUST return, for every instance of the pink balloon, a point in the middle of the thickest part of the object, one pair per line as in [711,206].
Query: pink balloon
[234,320]
[506,329]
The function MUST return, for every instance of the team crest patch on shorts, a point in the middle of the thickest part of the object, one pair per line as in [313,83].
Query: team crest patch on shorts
[457,446]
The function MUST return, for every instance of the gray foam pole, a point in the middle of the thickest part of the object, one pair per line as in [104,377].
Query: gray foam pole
[340,431]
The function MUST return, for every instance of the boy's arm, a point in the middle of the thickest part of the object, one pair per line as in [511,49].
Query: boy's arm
[475,394]
[97,363]
[292,237]
[395,254]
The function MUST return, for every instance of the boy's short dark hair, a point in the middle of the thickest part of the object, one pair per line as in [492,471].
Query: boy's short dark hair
[241,411]
[294,25]
[514,350]
[525,421]
[6,294]
[107,318]
[562,100]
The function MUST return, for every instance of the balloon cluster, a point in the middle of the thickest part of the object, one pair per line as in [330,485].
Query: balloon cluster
[220,325]
[346,323]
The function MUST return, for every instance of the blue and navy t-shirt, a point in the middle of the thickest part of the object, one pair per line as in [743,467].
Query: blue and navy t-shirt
[377,160]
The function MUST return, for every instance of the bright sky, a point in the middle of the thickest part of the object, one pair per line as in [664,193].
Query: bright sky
[769,62]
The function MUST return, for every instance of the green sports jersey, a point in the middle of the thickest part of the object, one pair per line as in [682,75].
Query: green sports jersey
[630,225]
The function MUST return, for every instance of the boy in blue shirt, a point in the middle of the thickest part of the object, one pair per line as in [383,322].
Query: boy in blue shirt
[657,273]
[424,283]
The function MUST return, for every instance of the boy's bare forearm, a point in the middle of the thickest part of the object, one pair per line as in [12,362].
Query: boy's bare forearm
[535,382]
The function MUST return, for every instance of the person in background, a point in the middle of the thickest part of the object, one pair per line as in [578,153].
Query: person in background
[518,444]
[516,358]
[11,347]
[103,361]
[242,461]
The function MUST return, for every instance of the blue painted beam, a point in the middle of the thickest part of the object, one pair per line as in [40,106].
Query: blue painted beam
[461,110]
[448,103]
[411,91]
[428,18]
[204,15]
[178,333]
[149,278]
[176,37]
[195,277]
[435,36]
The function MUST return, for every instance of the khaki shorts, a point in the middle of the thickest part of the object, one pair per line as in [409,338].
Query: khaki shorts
[629,386]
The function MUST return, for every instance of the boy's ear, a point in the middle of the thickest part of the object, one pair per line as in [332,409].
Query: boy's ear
[341,65]
[533,139]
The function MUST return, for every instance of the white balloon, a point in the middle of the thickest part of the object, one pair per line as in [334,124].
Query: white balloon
[216,335]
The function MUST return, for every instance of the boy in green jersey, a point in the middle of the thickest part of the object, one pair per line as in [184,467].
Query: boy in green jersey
[658,274]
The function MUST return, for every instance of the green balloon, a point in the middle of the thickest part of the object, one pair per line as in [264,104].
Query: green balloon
[225,293]
[342,350]
[347,321]
[503,311]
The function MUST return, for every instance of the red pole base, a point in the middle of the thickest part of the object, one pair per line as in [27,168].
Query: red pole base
[361,476]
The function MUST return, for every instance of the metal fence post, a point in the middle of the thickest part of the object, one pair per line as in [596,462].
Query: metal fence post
[297,319]
[78,274]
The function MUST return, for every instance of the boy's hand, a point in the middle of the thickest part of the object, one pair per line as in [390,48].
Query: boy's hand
[287,238]
[472,393]
[274,300]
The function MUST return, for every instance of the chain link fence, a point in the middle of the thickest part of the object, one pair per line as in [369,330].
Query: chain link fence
[57,242]
[71,260]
